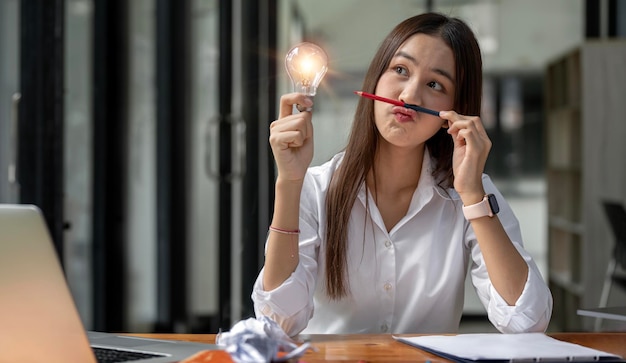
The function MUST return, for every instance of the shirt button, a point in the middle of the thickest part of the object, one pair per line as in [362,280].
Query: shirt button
[387,286]
[384,328]
[387,243]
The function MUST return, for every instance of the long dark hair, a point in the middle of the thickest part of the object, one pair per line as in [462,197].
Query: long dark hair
[364,136]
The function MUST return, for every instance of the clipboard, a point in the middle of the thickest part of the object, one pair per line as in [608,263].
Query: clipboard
[510,348]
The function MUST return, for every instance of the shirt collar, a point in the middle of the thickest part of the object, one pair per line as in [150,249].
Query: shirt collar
[425,190]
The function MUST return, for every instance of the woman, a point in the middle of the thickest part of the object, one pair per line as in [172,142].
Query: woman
[379,239]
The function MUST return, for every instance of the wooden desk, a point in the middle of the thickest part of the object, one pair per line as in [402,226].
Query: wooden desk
[383,348]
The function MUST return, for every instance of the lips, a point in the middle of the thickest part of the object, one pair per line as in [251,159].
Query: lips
[403,114]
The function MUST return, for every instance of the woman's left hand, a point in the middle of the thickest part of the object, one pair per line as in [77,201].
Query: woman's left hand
[471,148]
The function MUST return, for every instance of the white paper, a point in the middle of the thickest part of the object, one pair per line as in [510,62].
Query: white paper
[512,347]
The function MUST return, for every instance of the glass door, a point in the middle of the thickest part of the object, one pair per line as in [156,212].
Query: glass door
[141,183]
[77,171]
[204,174]
[9,98]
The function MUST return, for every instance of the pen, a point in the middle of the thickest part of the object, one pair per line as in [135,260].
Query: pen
[398,103]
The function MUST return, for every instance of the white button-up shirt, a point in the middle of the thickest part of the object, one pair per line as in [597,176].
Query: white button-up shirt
[408,280]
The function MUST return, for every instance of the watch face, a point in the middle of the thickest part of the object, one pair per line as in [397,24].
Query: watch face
[493,203]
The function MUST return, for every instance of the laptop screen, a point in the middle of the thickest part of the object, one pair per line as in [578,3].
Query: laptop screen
[38,318]
[39,321]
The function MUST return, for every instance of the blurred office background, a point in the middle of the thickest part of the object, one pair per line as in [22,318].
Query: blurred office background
[140,128]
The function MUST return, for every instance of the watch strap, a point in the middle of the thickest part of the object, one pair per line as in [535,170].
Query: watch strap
[479,210]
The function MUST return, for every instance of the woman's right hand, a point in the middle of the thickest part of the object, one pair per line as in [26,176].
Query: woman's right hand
[291,138]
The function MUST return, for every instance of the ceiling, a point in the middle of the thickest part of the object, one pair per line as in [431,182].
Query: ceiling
[351,30]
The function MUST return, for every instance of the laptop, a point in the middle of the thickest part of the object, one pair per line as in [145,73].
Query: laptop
[38,318]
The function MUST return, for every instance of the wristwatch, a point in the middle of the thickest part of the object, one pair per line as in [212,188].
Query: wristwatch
[487,207]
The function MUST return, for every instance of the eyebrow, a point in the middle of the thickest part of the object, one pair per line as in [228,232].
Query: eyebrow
[436,70]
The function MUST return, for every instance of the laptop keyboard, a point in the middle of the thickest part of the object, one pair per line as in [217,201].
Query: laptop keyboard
[108,355]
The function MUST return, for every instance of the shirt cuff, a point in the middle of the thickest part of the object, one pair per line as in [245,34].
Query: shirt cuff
[531,312]
[283,304]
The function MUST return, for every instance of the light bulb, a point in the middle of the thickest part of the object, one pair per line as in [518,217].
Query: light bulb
[306,65]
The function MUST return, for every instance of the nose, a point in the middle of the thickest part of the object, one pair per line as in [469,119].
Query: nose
[412,92]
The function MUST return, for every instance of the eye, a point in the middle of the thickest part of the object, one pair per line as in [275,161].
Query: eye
[435,85]
[400,70]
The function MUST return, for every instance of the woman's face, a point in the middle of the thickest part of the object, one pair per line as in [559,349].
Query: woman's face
[421,72]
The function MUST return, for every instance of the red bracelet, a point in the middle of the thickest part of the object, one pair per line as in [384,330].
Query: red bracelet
[285,231]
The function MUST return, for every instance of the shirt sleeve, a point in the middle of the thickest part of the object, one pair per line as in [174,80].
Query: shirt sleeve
[291,303]
[533,309]
[288,304]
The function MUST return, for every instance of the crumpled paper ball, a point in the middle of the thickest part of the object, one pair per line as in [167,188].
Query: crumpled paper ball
[259,340]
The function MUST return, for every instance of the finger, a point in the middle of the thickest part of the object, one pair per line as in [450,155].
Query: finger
[466,130]
[292,122]
[303,108]
[463,129]
[472,134]
[287,101]
[479,133]
[450,117]
[290,139]
[459,122]
[282,131]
